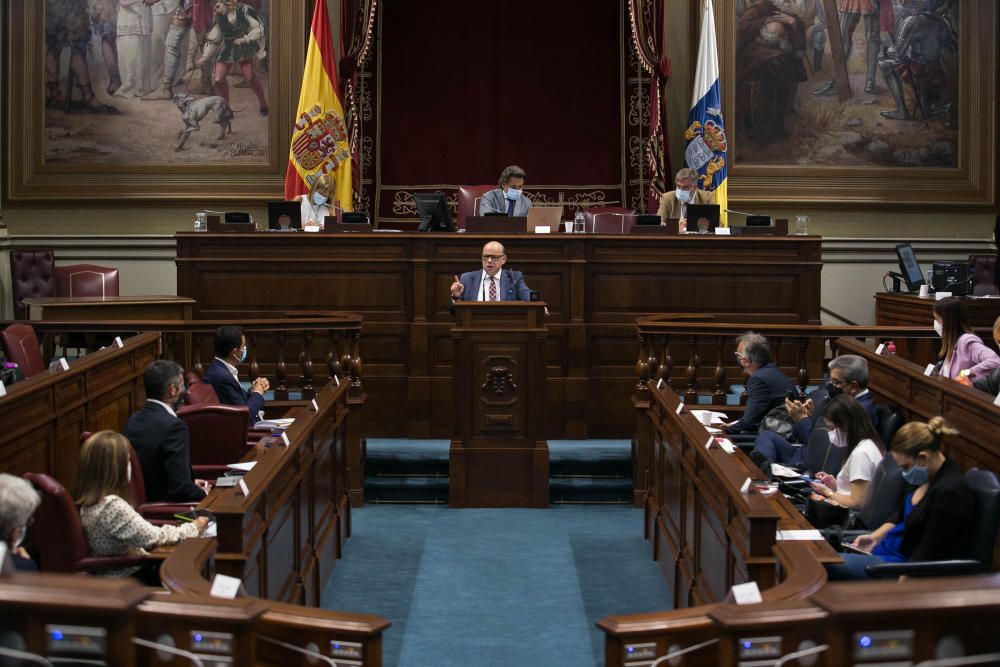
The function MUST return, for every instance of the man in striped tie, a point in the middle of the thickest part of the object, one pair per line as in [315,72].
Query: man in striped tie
[493,282]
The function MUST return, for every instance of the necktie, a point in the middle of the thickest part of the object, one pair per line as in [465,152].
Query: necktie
[510,207]
[493,289]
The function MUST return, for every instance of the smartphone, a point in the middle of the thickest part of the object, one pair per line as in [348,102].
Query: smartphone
[793,395]
[859,550]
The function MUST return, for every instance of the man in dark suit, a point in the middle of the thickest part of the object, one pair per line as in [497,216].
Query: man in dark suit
[848,375]
[493,283]
[161,440]
[766,386]
[230,351]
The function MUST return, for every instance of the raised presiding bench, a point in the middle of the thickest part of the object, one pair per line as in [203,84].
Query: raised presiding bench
[44,416]
[284,537]
[595,286]
[94,308]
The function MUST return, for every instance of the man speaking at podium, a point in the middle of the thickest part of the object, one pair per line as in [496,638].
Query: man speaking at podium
[492,283]
[509,199]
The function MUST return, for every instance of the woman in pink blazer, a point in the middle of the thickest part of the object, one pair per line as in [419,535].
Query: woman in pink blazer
[961,349]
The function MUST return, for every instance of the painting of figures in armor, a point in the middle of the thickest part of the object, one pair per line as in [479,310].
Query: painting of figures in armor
[901,103]
[133,82]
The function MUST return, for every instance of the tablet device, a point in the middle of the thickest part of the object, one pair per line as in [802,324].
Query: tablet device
[284,215]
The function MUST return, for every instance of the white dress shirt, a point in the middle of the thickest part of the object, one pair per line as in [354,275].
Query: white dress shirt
[166,407]
[231,369]
[484,286]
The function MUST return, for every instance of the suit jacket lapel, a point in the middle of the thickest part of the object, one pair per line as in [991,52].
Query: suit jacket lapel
[504,284]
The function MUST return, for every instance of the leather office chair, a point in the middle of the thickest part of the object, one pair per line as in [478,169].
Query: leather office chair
[31,274]
[62,546]
[199,393]
[609,220]
[982,535]
[86,280]
[984,275]
[21,345]
[218,437]
[190,378]
[468,201]
[889,422]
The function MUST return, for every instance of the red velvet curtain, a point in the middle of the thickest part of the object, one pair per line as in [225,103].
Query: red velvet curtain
[648,25]
[467,88]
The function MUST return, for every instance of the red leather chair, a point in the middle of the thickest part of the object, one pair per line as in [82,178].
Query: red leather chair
[468,201]
[200,393]
[86,280]
[190,378]
[609,220]
[983,275]
[62,546]
[218,436]
[21,345]
[31,274]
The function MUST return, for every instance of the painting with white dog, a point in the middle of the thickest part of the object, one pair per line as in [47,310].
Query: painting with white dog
[157,81]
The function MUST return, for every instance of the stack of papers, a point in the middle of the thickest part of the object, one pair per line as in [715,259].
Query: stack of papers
[785,472]
[273,424]
[800,535]
[242,467]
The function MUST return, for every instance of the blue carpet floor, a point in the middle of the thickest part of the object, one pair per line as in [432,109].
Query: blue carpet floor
[482,587]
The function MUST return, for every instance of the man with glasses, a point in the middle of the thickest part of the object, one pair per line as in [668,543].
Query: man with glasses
[848,375]
[161,440]
[493,282]
[673,204]
[766,385]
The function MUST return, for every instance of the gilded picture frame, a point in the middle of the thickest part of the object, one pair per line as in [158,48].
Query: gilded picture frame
[877,163]
[84,161]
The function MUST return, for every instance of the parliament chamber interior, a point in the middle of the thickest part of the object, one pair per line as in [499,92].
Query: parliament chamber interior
[624,333]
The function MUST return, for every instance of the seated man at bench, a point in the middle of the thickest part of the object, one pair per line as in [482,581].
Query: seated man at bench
[766,385]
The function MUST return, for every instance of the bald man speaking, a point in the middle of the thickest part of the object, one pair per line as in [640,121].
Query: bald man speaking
[493,282]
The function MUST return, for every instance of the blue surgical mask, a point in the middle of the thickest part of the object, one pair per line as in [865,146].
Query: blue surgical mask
[512,194]
[243,355]
[916,475]
[683,196]
[318,199]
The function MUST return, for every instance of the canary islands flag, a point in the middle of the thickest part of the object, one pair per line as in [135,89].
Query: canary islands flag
[319,139]
[705,137]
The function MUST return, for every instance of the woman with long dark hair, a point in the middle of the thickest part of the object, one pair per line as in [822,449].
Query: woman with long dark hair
[848,425]
[961,348]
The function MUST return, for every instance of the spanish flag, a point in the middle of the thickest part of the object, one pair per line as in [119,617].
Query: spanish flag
[319,140]
[706,150]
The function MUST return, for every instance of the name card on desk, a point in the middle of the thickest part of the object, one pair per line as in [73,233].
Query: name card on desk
[941,295]
[118,342]
[284,438]
[244,489]
[337,380]
[996,401]
[543,229]
[660,384]
[59,364]
[880,348]
[929,370]
[747,593]
[723,231]
[3,389]
[680,406]
[225,587]
[315,406]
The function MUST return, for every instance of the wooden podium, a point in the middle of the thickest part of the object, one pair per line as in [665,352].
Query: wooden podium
[499,455]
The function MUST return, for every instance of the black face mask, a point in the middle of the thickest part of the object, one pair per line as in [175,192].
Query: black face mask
[833,391]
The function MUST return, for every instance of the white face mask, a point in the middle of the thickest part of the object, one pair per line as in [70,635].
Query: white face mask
[22,531]
[128,472]
[837,438]
[939,328]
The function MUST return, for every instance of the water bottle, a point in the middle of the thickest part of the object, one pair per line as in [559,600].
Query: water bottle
[201,221]
[890,348]
[579,225]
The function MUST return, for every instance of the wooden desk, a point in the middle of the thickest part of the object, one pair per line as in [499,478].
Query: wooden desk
[595,286]
[284,538]
[45,415]
[97,308]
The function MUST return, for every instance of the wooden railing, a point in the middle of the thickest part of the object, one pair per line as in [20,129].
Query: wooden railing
[295,354]
[697,358]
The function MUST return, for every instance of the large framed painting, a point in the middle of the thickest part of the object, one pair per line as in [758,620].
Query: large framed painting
[858,102]
[150,99]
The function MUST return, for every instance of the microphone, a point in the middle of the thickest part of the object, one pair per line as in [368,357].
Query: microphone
[156,646]
[754,219]
[743,213]
[788,657]
[683,651]
[298,649]
[32,658]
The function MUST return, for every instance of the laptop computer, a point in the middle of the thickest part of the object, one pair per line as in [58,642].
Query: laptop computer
[544,216]
[277,209]
[702,218]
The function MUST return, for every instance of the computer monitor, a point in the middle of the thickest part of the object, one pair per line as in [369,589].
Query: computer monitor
[912,274]
[432,207]
[290,210]
[702,218]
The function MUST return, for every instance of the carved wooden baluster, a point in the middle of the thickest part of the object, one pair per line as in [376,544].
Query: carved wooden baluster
[331,354]
[642,365]
[742,377]
[719,391]
[667,367]
[694,363]
[168,341]
[281,369]
[833,348]
[356,361]
[196,365]
[803,365]
[305,359]
[337,367]
[252,353]
[651,358]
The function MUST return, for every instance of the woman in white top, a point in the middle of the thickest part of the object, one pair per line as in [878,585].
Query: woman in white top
[110,524]
[319,203]
[848,425]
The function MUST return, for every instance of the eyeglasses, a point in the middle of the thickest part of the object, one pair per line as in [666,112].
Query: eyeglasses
[740,355]
[492,258]
[837,383]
